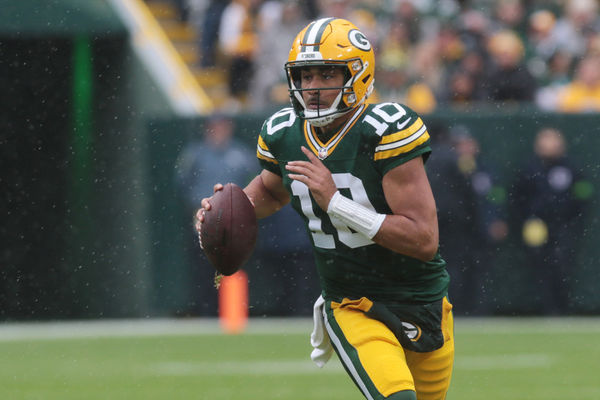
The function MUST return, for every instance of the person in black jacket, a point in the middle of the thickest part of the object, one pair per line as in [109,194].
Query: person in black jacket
[470,206]
[549,199]
[509,79]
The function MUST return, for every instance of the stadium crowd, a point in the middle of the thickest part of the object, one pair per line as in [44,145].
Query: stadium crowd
[430,54]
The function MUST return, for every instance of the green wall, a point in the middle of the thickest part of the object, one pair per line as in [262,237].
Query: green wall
[506,139]
[73,170]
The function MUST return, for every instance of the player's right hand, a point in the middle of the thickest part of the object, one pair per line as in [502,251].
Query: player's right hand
[199,216]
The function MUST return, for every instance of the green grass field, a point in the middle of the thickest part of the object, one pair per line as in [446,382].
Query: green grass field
[528,359]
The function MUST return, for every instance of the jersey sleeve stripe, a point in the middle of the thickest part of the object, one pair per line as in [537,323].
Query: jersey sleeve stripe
[404,141]
[404,133]
[396,149]
[262,151]
[262,144]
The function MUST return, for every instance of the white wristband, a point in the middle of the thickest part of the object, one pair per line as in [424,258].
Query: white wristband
[355,215]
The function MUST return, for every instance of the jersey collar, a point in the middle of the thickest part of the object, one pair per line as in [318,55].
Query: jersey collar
[323,150]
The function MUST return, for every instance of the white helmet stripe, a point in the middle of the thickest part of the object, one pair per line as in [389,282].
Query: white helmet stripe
[313,34]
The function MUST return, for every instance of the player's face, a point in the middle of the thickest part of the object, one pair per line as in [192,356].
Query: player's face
[317,78]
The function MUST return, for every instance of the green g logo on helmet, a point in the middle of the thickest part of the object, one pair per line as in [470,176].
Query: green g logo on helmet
[359,40]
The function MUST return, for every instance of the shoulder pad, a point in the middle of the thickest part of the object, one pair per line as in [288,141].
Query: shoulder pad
[387,118]
[399,128]
[276,123]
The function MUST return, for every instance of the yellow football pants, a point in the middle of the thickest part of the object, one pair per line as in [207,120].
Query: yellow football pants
[377,362]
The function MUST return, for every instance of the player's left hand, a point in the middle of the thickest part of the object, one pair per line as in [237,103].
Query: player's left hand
[314,174]
[199,215]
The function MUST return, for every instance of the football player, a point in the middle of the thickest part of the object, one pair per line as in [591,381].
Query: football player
[355,173]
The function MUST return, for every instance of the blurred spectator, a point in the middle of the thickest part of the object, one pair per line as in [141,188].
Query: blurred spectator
[209,32]
[455,208]
[461,88]
[490,195]
[509,79]
[557,76]
[335,8]
[542,43]
[216,156]
[368,24]
[447,53]
[425,73]
[465,84]
[394,52]
[579,21]
[489,221]
[397,67]
[407,15]
[183,9]
[583,93]
[510,15]
[473,27]
[283,269]
[593,47]
[392,62]
[238,40]
[310,9]
[470,216]
[276,32]
[550,198]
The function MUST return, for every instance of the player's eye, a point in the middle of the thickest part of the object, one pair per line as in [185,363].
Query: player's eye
[330,73]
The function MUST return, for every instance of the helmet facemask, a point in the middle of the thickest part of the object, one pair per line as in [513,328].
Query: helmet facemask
[345,101]
[331,42]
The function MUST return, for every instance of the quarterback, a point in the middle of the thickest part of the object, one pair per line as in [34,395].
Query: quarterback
[355,173]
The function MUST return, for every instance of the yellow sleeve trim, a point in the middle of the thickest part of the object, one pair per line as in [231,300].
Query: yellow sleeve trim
[414,127]
[262,144]
[381,155]
[263,153]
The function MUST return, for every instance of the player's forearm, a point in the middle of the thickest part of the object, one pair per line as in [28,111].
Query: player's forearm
[265,200]
[416,237]
[405,236]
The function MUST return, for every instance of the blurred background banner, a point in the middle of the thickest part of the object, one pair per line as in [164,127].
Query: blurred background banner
[95,223]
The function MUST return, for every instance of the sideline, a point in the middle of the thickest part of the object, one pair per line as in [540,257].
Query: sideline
[20,331]
[15,331]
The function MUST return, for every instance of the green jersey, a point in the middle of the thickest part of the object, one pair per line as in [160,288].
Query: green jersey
[377,138]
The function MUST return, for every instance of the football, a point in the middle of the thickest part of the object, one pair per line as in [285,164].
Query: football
[229,229]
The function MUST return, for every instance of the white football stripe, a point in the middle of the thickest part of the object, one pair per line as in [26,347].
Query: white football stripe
[314,30]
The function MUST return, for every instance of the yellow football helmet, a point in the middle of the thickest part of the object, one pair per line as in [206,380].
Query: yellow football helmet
[331,42]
